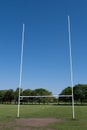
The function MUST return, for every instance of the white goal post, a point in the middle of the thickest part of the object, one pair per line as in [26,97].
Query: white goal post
[57,96]
[71,75]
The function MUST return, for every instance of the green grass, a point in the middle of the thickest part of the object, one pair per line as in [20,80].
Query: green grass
[9,113]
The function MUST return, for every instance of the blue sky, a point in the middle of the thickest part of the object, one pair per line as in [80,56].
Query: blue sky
[46,49]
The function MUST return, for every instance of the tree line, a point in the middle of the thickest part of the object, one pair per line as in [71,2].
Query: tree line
[11,96]
[79,91]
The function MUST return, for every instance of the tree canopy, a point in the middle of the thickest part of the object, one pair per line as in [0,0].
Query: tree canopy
[10,95]
[79,91]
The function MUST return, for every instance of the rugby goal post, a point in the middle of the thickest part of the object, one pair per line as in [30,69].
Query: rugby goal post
[71,74]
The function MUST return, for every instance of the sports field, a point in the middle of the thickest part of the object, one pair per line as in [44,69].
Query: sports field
[42,117]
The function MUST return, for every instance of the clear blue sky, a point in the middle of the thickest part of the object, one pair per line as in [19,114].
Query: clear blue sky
[46,50]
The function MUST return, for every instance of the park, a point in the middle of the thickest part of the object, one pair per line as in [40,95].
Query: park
[43,52]
[43,113]
[43,117]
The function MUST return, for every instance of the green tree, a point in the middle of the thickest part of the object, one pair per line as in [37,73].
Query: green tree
[42,92]
[9,95]
[2,96]
[79,90]
[27,92]
[16,94]
[66,91]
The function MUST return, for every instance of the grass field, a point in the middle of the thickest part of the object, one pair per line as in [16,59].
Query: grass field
[8,115]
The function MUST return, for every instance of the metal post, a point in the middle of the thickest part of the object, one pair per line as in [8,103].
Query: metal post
[71,70]
[21,64]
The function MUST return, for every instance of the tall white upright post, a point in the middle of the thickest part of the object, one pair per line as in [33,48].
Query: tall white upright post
[71,70]
[20,81]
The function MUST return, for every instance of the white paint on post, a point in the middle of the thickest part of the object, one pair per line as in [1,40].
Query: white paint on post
[21,64]
[71,70]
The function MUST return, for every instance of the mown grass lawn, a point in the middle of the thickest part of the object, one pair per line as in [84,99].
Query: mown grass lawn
[8,113]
